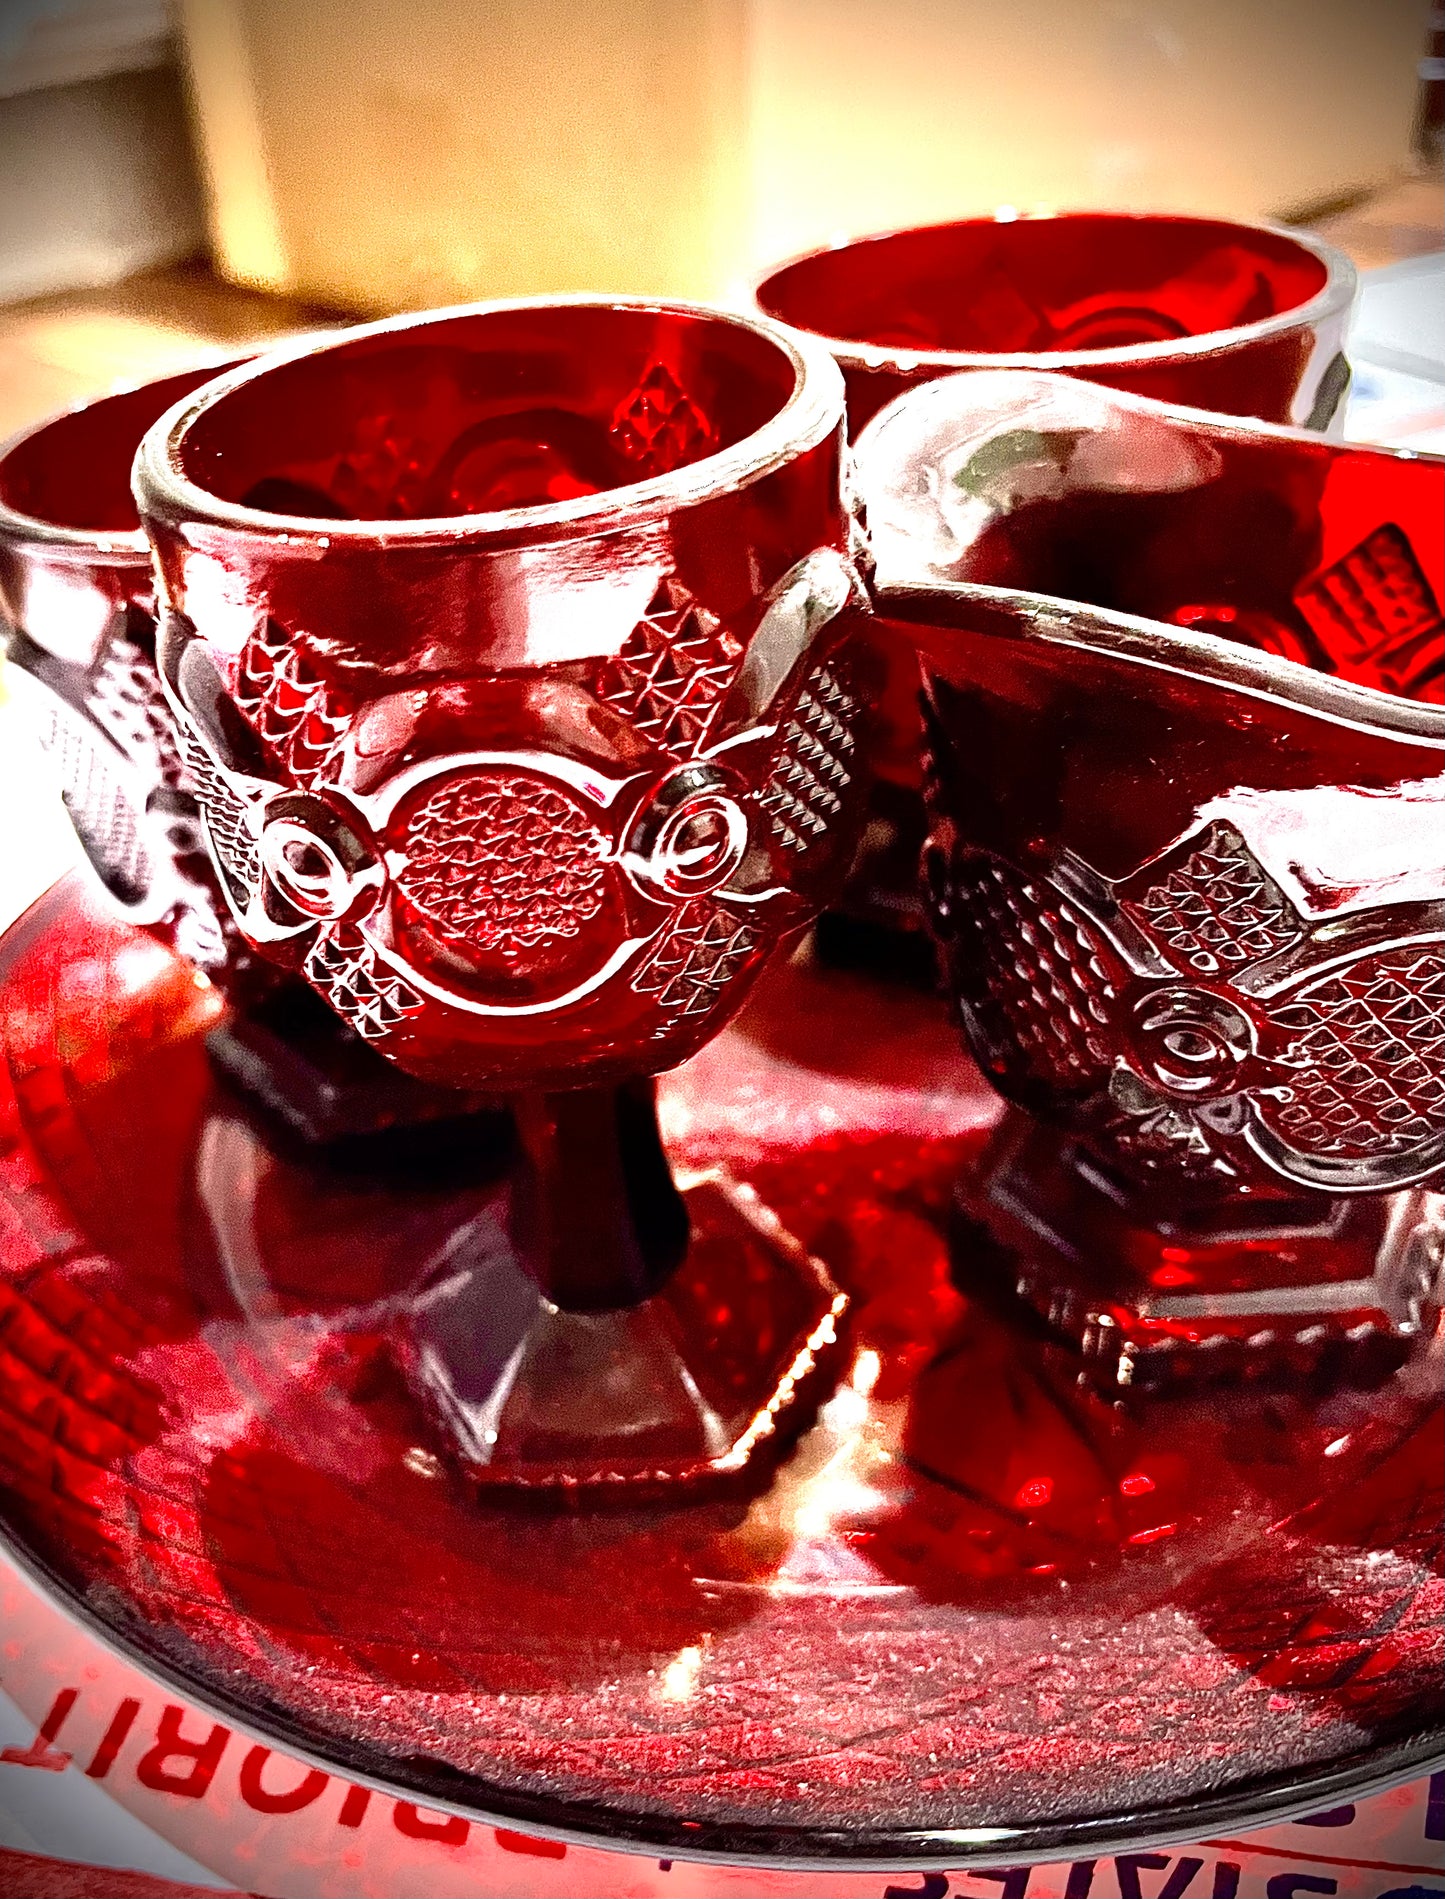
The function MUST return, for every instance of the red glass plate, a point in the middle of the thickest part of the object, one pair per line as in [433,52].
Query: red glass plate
[979,1616]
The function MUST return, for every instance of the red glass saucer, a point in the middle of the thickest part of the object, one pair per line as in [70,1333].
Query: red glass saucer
[979,1615]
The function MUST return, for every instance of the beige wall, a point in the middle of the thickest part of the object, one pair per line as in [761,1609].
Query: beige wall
[397,153]
[97,181]
[394,153]
[871,112]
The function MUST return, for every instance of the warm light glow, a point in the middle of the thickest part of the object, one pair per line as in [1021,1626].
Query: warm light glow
[866,1367]
[679,1678]
[835,1495]
[138,966]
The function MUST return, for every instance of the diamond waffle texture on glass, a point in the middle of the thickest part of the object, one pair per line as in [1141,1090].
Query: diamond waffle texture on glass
[125,699]
[100,806]
[1218,910]
[1349,1067]
[503,862]
[288,706]
[345,968]
[65,1331]
[230,835]
[671,674]
[1375,608]
[1039,977]
[695,959]
[815,762]
[659,425]
[1371,1058]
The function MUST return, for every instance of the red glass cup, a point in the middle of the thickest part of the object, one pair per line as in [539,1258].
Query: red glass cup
[77,620]
[1240,318]
[77,590]
[520,660]
[1185,714]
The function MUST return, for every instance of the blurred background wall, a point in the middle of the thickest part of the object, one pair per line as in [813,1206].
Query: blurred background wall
[393,153]
[868,113]
[97,177]
[383,154]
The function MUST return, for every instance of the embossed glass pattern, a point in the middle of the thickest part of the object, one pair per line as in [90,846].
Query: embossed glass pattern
[1184,691]
[520,662]
[77,614]
[530,792]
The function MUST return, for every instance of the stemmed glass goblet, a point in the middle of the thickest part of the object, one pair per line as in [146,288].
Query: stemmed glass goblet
[519,659]
[1240,318]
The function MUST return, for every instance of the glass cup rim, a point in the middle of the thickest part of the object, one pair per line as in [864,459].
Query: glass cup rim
[1055,619]
[813,410]
[118,547]
[1336,293]
[1051,620]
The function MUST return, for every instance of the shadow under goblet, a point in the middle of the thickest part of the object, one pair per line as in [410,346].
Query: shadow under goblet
[1183,700]
[519,660]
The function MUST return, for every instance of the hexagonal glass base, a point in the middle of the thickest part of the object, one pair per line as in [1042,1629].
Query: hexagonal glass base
[1270,1286]
[699,1384]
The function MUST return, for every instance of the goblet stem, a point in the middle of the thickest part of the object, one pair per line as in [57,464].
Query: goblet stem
[598,1221]
[597,1331]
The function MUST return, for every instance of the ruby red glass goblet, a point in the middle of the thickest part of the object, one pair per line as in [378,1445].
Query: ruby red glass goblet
[519,659]
[77,620]
[1239,318]
[1185,714]
[1242,318]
